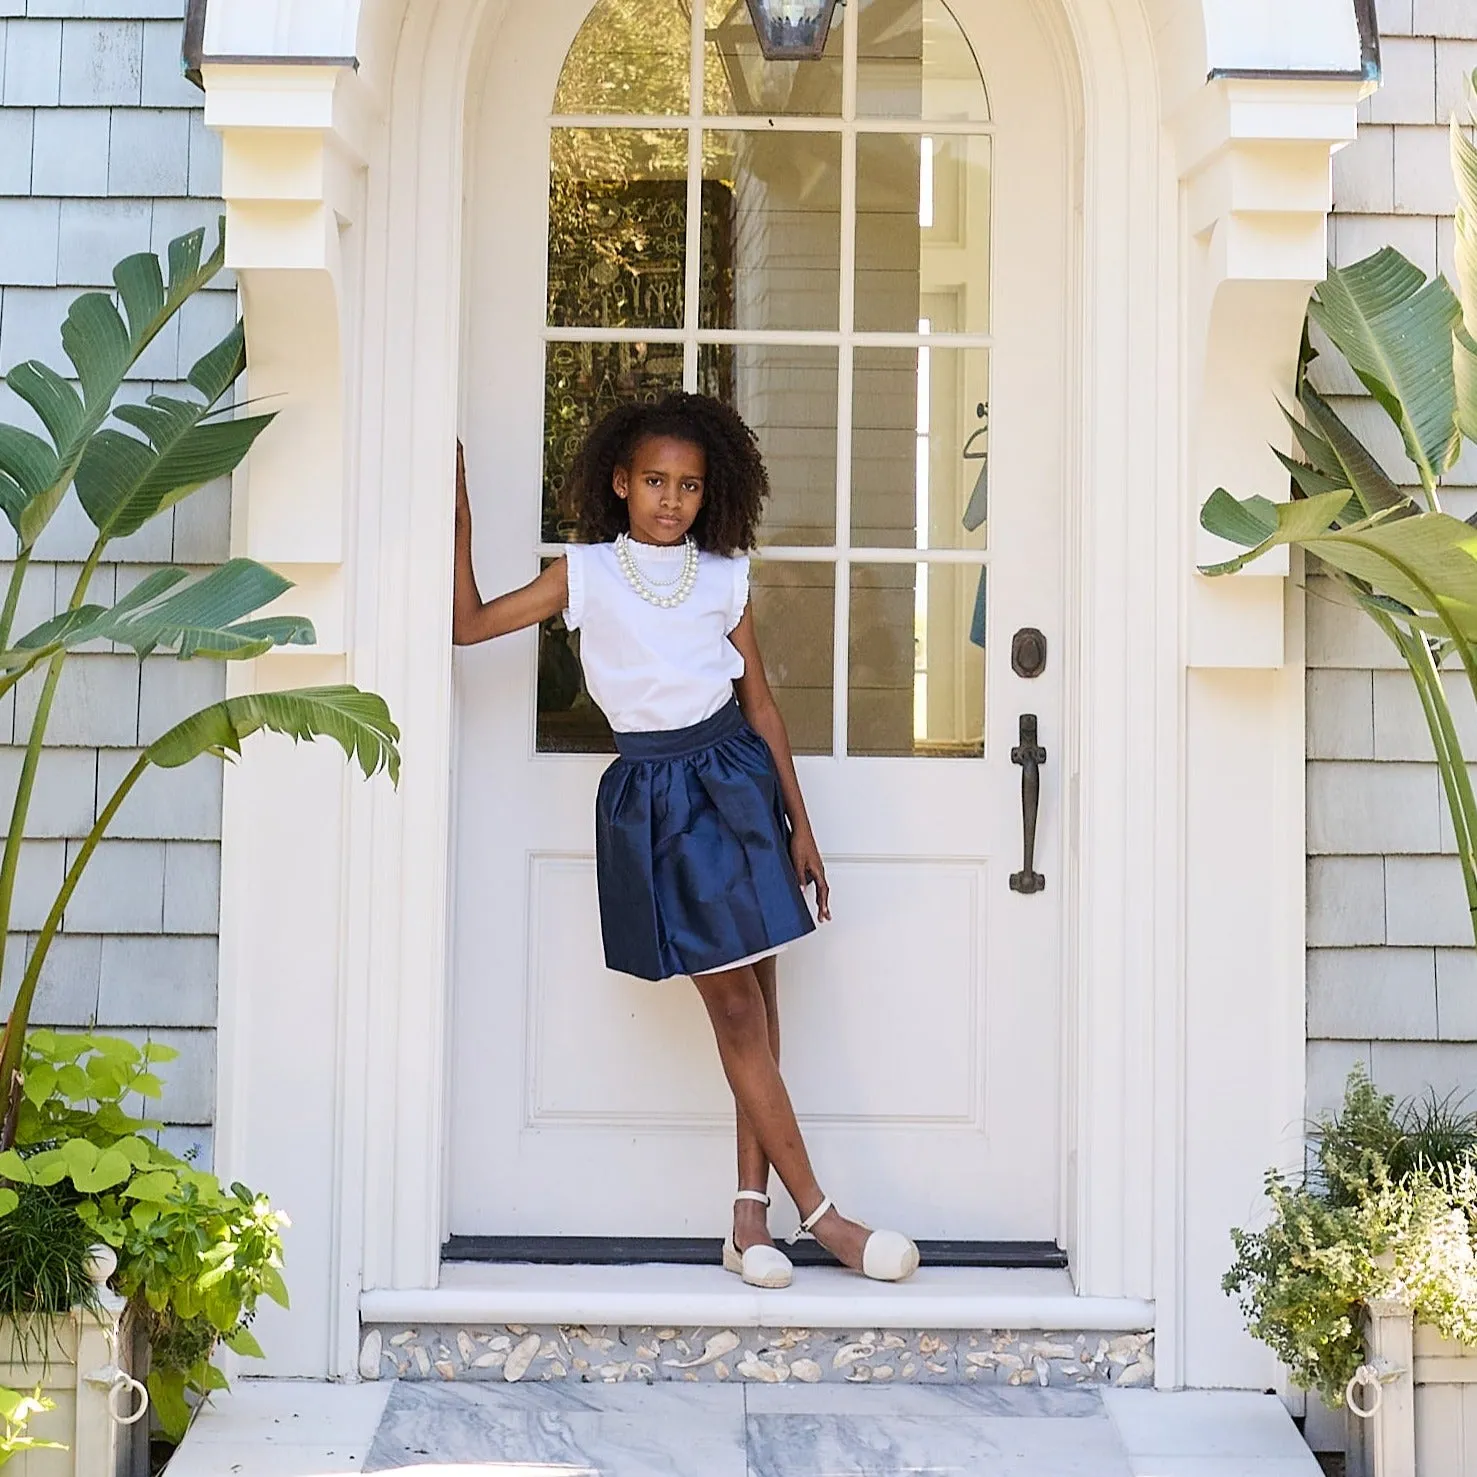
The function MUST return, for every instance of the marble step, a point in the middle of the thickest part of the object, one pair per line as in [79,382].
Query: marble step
[302,1429]
[690,1325]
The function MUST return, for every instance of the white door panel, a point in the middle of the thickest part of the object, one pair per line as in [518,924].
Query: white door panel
[921,1028]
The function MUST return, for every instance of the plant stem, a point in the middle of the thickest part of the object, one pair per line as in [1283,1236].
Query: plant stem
[1460,779]
[15,1029]
[84,578]
[13,596]
[20,809]
[1451,762]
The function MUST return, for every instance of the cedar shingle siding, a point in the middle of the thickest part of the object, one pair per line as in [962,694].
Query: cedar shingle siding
[103,152]
[1392,979]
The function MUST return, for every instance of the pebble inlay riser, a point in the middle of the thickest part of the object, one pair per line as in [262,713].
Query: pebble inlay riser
[513,1352]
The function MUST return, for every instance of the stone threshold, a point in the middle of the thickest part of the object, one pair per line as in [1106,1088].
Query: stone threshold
[471,1295]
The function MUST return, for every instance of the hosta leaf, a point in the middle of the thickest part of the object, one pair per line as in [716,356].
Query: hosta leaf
[359,722]
[8,1200]
[14,1168]
[112,1168]
[137,1151]
[79,1155]
[156,1186]
[40,1082]
[1394,327]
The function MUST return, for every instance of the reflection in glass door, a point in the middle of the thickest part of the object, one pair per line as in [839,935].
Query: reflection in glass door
[811,242]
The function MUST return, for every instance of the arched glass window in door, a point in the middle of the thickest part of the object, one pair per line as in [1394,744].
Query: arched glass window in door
[809,240]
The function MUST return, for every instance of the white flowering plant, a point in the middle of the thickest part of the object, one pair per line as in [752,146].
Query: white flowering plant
[1387,1209]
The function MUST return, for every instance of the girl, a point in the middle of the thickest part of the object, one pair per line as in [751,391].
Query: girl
[702,839]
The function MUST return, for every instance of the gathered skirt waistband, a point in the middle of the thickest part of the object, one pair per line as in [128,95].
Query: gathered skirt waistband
[677,743]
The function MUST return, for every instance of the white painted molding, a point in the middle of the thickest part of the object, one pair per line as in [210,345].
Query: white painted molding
[1187,311]
[1272,35]
[1254,158]
[1312,35]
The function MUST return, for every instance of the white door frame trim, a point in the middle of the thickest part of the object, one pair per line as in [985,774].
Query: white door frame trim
[1205,212]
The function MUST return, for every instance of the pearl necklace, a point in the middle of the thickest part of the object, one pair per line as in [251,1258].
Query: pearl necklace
[651,590]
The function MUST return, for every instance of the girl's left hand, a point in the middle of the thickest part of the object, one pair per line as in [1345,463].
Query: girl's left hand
[806,856]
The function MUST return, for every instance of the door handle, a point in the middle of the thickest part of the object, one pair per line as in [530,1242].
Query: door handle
[1030,756]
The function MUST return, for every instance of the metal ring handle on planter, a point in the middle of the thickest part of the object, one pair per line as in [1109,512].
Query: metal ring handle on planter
[1365,1377]
[122,1382]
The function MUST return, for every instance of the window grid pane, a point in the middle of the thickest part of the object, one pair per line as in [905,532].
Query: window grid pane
[664,233]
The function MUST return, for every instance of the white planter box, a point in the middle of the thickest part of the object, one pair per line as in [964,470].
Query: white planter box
[1426,1424]
[79,1346]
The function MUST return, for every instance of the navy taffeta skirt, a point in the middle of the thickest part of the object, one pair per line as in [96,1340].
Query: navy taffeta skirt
[692,851]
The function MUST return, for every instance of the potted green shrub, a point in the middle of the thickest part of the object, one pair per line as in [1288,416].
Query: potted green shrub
[183,1259]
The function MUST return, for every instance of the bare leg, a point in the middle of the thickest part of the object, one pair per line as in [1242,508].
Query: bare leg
[741,1023]
[750,1219]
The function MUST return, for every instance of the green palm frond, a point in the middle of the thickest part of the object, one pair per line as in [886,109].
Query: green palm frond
[204,619]
[359,722]
[1394,326]
[103,344]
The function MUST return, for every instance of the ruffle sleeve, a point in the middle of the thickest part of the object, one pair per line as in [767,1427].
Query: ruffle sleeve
[740,600]
[574,560]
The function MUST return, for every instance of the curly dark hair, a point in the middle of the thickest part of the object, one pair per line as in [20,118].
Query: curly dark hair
[734,488]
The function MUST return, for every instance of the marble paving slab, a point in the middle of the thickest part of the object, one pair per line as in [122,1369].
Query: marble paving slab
[567,1429]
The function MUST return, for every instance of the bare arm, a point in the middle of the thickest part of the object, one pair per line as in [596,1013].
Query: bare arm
[472,619]
[763,715]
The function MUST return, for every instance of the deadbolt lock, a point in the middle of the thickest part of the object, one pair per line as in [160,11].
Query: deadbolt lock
[1028,652]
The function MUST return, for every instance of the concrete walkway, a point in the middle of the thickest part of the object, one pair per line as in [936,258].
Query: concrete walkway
[291,1429]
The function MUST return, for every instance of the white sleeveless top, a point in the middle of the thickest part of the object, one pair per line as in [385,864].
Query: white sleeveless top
[647,667]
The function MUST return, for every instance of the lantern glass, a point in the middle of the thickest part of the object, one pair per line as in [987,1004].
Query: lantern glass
[739,80]
[791,30]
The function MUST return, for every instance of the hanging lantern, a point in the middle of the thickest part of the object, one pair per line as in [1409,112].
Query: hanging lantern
[792,30]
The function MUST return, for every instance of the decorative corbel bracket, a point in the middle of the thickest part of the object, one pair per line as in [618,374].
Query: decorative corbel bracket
[1256,194]
[294,141]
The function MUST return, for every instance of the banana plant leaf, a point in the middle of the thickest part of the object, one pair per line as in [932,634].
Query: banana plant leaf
[1395,328]
[204,619]
[359,722]
[122,481]
[1464,356]
[1370,483]
[103,344]
[1427,563]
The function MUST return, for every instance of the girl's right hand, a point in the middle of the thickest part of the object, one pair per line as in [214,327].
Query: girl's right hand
[463,504]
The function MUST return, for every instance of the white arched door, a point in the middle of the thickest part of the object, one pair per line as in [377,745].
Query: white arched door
[868,255]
